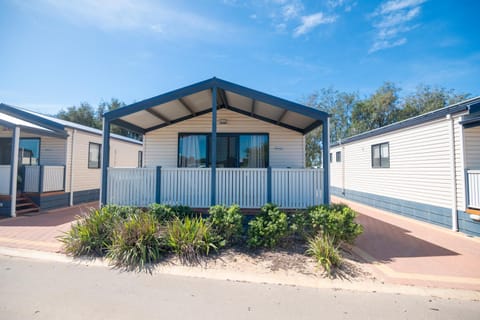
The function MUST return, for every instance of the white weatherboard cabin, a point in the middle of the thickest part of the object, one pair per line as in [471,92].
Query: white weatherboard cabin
[215,142]
[48,163]
[426,167]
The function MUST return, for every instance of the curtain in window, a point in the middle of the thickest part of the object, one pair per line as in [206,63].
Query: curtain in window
[192,151]
[254,150]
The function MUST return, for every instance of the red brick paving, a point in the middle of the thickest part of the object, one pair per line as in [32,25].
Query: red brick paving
[39,231]
[407,251]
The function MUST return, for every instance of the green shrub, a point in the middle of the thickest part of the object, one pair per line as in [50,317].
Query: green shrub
[136,241]
[162,212]
[190,238]
[165,212]
[268,228]
[336,220]
[226,222]
[325,252]
[92,234]
[299,224]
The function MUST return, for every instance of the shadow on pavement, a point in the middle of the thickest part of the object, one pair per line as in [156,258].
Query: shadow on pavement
[385,241]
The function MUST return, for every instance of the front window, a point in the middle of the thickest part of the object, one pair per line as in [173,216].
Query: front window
[381,155]
[28,151]
[338,156]
[234,150]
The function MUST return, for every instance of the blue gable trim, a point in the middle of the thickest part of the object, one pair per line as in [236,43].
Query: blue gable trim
[222,85]
[39,121]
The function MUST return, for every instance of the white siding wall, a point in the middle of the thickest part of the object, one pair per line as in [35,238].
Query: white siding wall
[122,154]
[286,146]
[336,178]
[420,167]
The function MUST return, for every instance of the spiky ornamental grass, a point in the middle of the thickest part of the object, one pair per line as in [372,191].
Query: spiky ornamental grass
[324,250]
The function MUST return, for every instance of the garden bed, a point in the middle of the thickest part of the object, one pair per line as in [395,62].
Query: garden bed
[311,242]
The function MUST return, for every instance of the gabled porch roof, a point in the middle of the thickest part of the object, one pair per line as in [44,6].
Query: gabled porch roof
[195,100]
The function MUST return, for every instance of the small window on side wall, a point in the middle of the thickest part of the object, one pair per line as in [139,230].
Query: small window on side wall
[140,159]
[94,155]
[338,156]
[381,155]
[331,157]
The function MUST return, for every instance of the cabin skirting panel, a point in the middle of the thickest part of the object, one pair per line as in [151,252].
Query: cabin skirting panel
[86,196]
[424,212]
[51,201]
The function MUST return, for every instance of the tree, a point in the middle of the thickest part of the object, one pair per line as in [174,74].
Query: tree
[379,110]
[426,99]
[85,114]
[339,105]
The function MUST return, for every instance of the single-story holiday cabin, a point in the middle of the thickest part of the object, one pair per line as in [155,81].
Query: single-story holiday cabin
[48,163]
[216,142]
[426,167]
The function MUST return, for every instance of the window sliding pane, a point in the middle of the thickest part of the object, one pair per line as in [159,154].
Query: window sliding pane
[253,151]
[29,151]
[192,151]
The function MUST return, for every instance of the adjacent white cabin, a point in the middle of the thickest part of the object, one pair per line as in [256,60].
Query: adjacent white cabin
[426,167]
[57,163]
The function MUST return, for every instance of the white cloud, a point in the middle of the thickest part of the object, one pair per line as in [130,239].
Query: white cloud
[292,10]
[395,5]
[311,21]
[147,15]
[392,20]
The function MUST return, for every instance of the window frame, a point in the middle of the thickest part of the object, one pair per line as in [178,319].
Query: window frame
[99,155]
[223,134]
[384,162]
[338,156]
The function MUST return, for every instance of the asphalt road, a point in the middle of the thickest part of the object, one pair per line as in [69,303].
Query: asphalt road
[33,289]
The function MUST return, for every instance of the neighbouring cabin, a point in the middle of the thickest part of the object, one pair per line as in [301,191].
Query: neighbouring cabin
[426,167]
[57,163]
[216,142]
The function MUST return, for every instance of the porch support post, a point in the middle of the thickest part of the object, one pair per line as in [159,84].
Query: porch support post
[14,170]
[105,160]
[158,184]
[40,178]
[213,148]
[326,160]
[269,184]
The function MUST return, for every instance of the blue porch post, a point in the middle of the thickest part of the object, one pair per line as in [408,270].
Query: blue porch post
[213,148]
[158,185]
[14,170]
[105,160]
[269,184]
[326,160]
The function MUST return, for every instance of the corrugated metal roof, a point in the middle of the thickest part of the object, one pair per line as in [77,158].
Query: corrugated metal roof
[423,118]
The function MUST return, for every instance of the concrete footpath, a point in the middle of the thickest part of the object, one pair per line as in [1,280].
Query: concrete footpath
[405,251]
[35,289]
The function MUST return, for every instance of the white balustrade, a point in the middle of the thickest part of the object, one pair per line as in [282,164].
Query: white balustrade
[473,189]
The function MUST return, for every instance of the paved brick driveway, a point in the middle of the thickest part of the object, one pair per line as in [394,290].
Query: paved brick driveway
[406,251]
[39,231]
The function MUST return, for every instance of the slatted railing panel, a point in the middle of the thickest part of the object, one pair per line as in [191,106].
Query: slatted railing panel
[245,187]
[297,188]
[186,186]
[473,189]
[53,178]
[31,179]
[5,179]
[131,186]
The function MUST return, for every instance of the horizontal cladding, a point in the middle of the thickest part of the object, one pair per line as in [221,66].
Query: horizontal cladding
[53,201]
[286,146]
[419,165]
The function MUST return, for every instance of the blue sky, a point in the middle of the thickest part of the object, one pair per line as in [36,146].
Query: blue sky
[55,54]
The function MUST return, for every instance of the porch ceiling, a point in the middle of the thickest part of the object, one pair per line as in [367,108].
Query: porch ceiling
[195,100]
